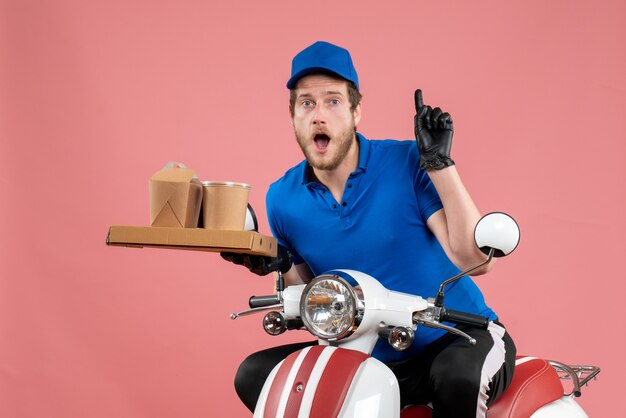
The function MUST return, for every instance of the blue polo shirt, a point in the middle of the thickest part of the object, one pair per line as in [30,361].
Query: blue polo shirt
[379,228]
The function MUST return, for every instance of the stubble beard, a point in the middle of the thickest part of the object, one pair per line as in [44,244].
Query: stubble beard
[342,143]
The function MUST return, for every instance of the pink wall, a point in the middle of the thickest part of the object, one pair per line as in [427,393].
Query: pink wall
[96,96]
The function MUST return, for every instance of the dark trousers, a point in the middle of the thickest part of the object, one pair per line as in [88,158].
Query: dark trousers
[450,373]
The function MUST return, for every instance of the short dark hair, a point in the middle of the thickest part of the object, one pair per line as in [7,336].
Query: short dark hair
[353,92]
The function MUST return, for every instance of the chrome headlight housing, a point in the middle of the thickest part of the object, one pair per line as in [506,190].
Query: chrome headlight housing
[329,307]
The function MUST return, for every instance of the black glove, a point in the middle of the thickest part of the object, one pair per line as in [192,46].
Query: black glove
[262,265]
[433,133]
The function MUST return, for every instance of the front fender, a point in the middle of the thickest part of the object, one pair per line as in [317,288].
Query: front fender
[324,381]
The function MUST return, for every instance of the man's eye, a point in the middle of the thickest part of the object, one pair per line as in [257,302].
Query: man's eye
[334,101]
[307,103]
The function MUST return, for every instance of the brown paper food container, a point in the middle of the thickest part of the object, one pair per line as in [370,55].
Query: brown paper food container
[224,205]
[175,197]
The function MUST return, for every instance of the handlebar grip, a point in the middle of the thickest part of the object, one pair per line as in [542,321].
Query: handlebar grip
[463,318]
[261,301]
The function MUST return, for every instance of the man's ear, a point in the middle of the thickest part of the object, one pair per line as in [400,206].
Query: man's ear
[356,114]
[290,115]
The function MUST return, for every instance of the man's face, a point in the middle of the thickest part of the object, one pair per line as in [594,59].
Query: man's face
[323,122]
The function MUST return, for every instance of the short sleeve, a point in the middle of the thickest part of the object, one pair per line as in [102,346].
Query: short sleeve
[277,228]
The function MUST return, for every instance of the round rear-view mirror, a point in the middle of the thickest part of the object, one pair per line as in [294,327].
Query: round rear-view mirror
[499,231]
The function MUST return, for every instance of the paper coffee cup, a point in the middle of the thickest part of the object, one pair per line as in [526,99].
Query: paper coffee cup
[224,205]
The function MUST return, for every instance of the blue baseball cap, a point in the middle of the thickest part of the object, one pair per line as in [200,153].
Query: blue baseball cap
[322,56]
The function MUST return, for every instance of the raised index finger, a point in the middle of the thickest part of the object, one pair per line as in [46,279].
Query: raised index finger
[419,100]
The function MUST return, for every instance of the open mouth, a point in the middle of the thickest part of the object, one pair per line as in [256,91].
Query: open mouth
[321,141]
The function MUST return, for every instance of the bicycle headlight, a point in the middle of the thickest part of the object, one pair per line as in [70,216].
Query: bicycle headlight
[328,307]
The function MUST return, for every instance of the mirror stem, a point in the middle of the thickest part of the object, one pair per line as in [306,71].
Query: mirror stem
[439,299]
[280,284]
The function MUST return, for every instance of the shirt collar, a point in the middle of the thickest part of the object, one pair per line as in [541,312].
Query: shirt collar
[364,154]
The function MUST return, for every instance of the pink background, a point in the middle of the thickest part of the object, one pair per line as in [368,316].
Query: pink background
[97,96]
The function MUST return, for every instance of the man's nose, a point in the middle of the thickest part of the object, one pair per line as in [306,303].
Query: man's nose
[319,117]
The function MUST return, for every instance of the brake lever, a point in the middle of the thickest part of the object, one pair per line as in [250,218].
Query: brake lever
[280,287]
[437,324]
[255,310]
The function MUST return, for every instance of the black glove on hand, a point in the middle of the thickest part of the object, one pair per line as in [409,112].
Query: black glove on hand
[262,265]
[433,133]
